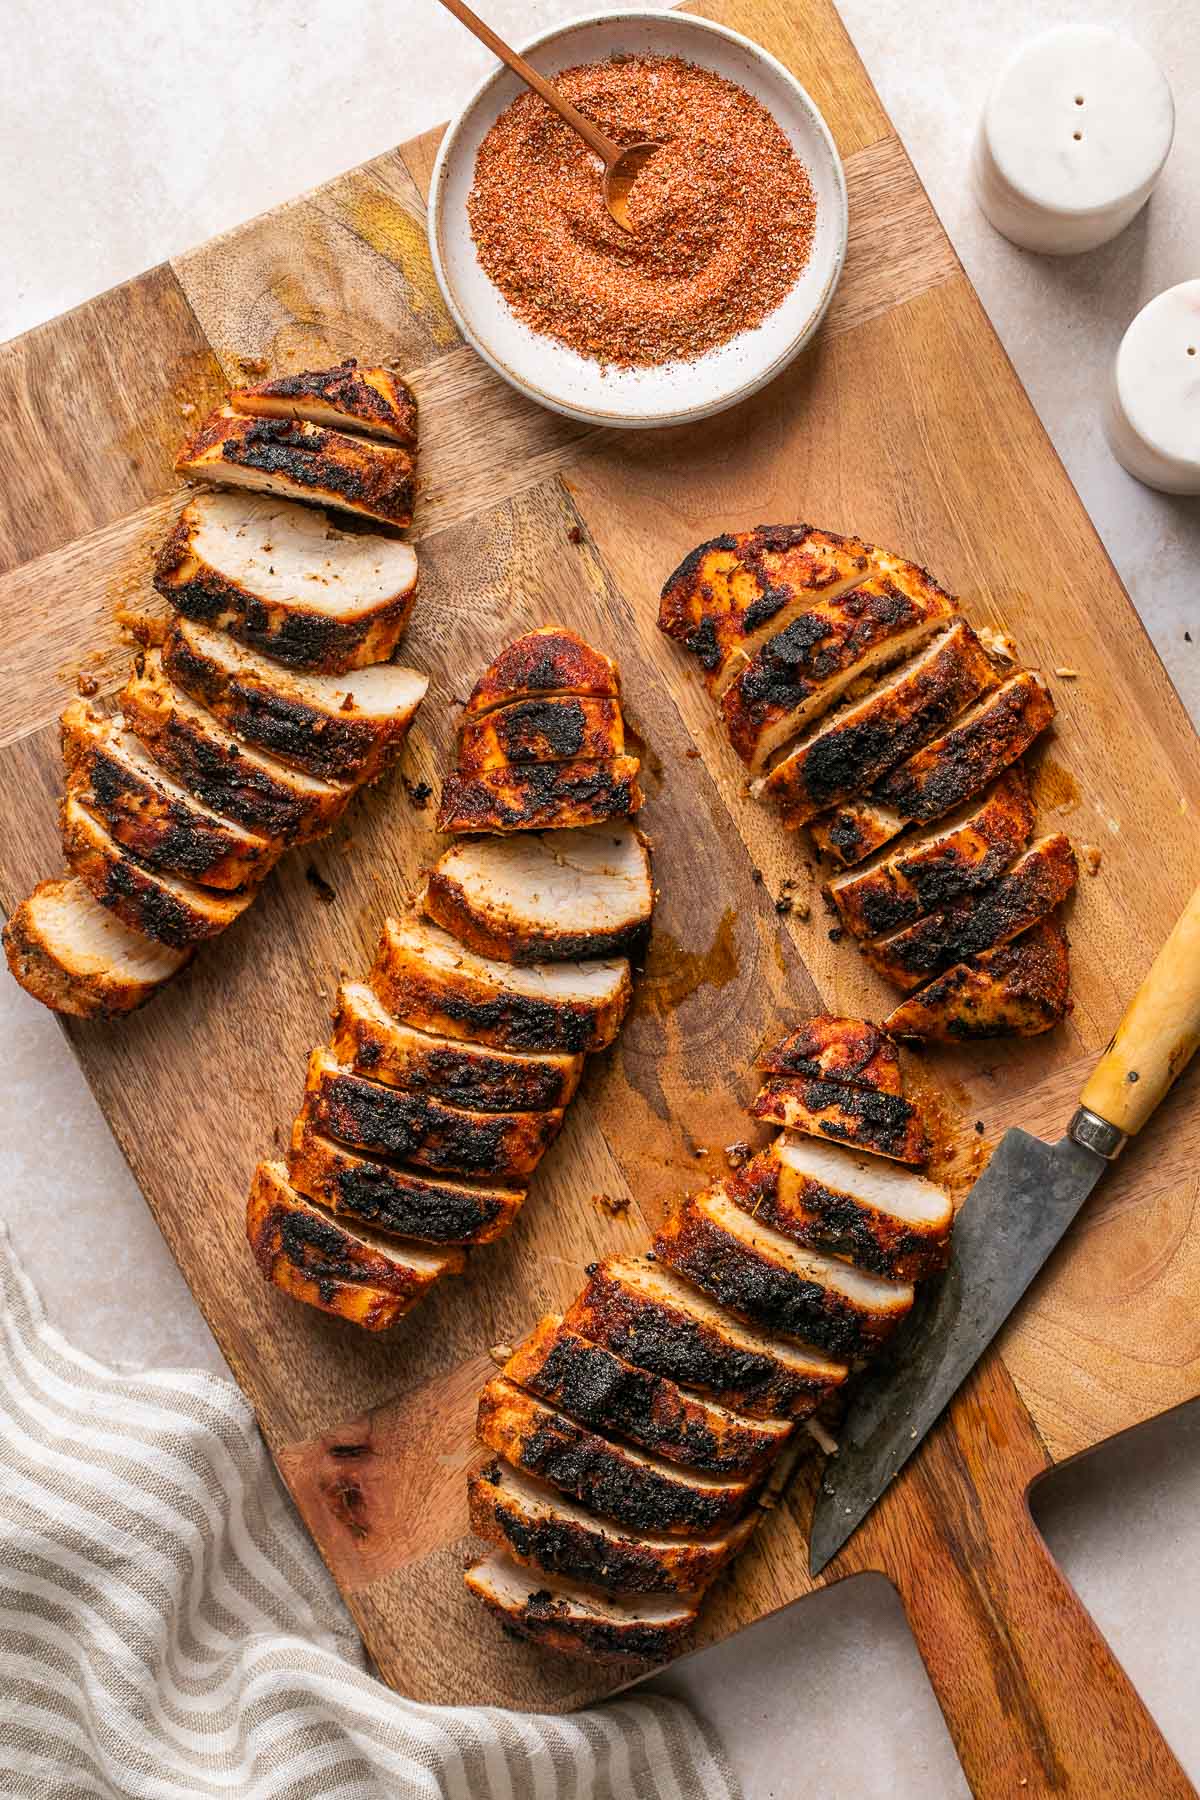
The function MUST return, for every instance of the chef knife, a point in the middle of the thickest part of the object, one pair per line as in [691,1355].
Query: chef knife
[1009,1223]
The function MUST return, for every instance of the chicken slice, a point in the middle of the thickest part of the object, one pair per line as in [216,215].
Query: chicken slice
[296,461]
[401,1202]
[880,1217]
[426,977]
[374,401]
[638,1308]
[884,1124]
[367,1039]
[371,1281]
[336,727]
[419,1129]
[562,729]
[599,1388]
[557,1615]
[978,747]
[265,795]
[542,1529]
[752,1268]
[547,661]
[540,796]
[287,581]
[833,646]
[1037,882]
[728,596]
[969,850]
[827,1048]
[1020,990]
[615,1480]
[163,907]
[854,746]
[150,815]
[545,897]
[77,958]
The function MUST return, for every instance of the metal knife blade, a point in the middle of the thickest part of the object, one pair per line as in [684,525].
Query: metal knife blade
[1006,1228]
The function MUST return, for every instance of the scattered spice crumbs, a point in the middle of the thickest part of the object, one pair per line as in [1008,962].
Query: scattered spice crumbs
[1092,858]
[836,934]
[723,215]
[616,1204]
[737,1155]
[574,535]
[419,792]
[87,685]
[324,891]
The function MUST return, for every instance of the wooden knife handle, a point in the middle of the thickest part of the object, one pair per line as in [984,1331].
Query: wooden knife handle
[1158,1035]
[1036,1702]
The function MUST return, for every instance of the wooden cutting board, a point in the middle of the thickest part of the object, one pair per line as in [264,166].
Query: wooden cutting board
[905,423]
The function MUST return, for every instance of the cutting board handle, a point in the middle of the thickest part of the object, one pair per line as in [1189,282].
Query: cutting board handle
[1036,1702]
[1158,1035]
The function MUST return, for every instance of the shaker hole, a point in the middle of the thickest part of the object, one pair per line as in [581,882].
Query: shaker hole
[1191,349]
[1079,99]
[1078,136]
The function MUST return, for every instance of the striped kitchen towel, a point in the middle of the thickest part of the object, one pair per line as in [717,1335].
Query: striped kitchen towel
[167,1629]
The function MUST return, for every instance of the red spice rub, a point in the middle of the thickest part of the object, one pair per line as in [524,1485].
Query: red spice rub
[723,215]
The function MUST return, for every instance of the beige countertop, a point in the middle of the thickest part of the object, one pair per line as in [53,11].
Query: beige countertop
[133,134]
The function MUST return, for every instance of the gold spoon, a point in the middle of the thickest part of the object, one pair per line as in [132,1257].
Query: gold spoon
[623,163]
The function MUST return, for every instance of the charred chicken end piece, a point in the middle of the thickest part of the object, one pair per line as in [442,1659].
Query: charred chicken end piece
[828,1048]
[1020,989]
[356,1274]
[560,1616]
[76,957]
[347,398]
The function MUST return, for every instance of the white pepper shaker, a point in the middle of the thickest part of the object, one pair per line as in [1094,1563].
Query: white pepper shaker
[1073,138]
[1153,417]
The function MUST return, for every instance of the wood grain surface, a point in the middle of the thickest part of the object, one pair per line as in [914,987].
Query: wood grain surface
[904,422]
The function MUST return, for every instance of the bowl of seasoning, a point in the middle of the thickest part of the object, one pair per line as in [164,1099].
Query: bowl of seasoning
[739,222]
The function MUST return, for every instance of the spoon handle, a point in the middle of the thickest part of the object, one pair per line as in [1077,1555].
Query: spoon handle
[596,140]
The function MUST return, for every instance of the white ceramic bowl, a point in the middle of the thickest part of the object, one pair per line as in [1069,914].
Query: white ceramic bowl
[671,393]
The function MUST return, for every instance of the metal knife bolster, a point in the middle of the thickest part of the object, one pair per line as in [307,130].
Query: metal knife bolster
[1096,1134]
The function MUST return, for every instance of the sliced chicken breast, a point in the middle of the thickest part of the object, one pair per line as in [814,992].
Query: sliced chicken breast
[374,401]
[599,1388]
[287,581]
[336,727]
[227,774]
[401,1202]
[150,815]
[650,1317]
[557,1615]
[827,1048]
[425,977]
[540,797]
[1018,990]
[875,1214]
[885,1124]
[547,661]
[749,1266]
[562,729]
[296,461]
[548,896]
[371,1281]
[832,648]
[969,850]
[419,1129]
[367,1039]
[728,596]
[164,907]
[76,957]
[615,1480]
[978,747]
[859,742]
[1037,882]
[542,1529]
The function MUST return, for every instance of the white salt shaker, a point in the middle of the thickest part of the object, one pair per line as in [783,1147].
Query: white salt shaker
[1153,417]
[1073,137]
